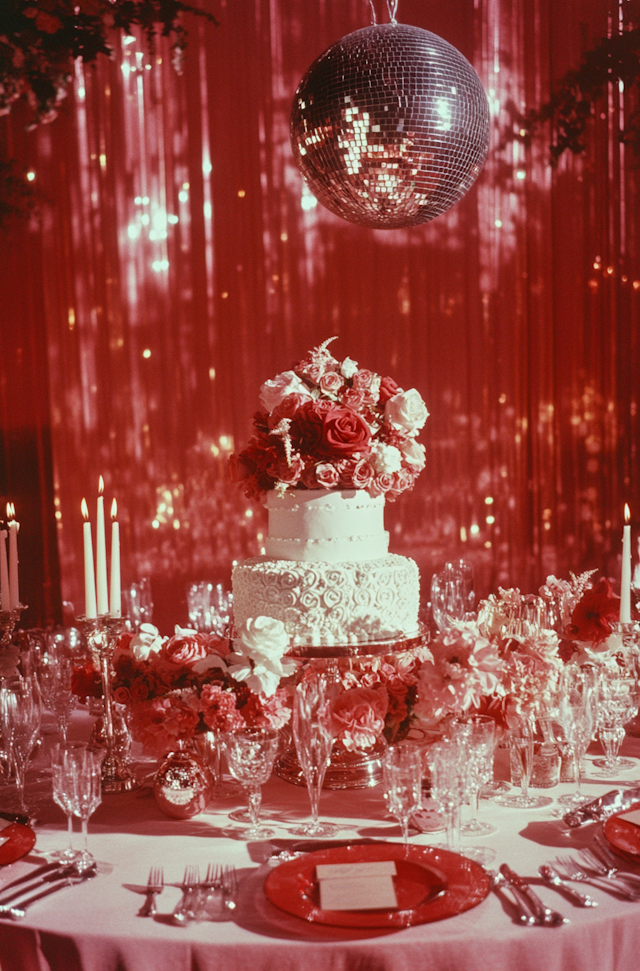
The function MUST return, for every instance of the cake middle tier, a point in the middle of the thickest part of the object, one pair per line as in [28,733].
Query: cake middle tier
[330,603]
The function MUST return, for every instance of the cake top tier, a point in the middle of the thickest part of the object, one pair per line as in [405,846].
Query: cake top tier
[327,425]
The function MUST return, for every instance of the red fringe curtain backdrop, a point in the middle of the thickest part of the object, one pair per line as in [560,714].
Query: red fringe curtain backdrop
[184,262]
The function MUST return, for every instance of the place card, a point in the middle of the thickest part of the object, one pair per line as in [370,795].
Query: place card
[338,871]
[631,817]
[358,893]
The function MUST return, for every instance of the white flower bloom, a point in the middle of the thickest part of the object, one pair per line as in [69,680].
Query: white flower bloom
[407,411]
[273,392]
[348,367]
[147,641]
[414,453]
[385,458]
[258,660]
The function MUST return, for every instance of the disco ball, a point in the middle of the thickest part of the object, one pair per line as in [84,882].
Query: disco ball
[390,126]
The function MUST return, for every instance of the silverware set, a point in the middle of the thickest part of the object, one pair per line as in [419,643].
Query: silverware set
[16,897]
[213,898]
[597,866]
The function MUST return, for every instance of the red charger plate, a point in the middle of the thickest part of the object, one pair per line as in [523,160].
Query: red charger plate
[624,836]
[18,841]
[431,884]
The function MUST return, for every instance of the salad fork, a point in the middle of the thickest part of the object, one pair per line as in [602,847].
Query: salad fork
[183,912]
[230,887]
[573,870]
[155,886]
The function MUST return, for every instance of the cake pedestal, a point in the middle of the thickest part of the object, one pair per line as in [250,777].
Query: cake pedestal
[347,770]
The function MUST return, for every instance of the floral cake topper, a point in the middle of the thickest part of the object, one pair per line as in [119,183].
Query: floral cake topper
[329,424]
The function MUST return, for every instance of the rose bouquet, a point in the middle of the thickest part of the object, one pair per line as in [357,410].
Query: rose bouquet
[179,687]
[329,424]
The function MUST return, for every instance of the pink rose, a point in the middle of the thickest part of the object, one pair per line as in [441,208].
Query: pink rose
[363,379]
[287,408]
[382,483]
[186,648]
[326,475]
[291,473]
[331,382]
[344,431]
[388,388]
[219,710]
[352,398]
[355,473]
[308,477]
[359,715]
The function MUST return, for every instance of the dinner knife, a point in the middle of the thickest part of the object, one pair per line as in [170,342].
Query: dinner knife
[545,916]
[68,880]
[41,875]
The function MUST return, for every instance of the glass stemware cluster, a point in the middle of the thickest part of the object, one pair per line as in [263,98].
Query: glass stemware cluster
[76,774]
[578,716]
[20,718]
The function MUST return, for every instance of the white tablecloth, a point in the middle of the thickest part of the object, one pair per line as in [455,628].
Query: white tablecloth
[95,927]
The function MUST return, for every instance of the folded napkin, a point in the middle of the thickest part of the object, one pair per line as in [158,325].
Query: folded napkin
[600,809]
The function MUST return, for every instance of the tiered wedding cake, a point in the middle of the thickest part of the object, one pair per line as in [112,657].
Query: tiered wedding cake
[333,443]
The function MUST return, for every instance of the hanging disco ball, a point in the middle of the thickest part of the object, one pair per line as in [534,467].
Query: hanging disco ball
[390,126]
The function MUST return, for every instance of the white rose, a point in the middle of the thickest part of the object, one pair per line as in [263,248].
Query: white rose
[258,660]
[146,642]
[406,410]
[263,639]
[273,393]
[385,458]
[348,368]
[414,453]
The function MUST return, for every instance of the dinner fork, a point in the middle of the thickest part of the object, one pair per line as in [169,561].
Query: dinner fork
[155,886]
[183,912]
[572,870]
[230,887]
[609,858]
[211,899]
[596,862]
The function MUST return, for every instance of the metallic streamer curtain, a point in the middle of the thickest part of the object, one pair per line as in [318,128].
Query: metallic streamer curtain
[184,262]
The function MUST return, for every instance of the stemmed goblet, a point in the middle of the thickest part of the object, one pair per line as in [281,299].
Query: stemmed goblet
[54,677]
[59,758]
[402,779]
[522,741]
[313,737]
[251,753]
[20,717]
[577,714]
[617,705]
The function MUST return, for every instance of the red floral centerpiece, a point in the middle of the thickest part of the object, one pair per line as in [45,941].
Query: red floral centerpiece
[329,424]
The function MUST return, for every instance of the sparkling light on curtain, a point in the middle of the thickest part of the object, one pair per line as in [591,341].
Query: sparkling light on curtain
[184,262]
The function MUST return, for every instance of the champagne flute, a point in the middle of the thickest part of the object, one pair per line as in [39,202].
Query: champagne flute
[251,753]
[313,736]
[59,758]
[477,732]
[577,714]
[57,694]
[402,778]
[20,716]
[522,746]
[446,762]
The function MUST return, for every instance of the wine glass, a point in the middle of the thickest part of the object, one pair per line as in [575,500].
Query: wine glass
[59,758]
[477,732]
[78,781]
[448,599]
[55,677]
[20,717]
[617,705]
[577,714]
[251,753]
[313,737]
[402,778]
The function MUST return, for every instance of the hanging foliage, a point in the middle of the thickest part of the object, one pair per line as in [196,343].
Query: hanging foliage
[581,92]
[40,39]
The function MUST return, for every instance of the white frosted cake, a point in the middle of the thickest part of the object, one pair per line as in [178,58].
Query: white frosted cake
[327,573]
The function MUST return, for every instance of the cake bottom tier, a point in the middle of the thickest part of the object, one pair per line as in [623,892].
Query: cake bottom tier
[330,603]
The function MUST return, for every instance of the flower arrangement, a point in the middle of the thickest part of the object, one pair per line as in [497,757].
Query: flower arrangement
[329,424]
[178,687]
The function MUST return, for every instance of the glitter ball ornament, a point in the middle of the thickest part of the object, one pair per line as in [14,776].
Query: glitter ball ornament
[390,126]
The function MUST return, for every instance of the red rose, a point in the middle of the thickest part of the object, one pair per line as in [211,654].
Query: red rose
[186,649]
[139,690]
[122,695]
[308,477]
[594,614]
[352,398]
[326,475]
[345,432]
[331,382]
[291,473]
[86,683]
[306,428]
[388,388]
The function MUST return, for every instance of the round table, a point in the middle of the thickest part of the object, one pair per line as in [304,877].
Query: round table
[95,927]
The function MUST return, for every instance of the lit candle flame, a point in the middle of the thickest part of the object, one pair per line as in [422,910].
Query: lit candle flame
[114,509]
[100,486]
[627,513]
[11,511]
[85,510]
